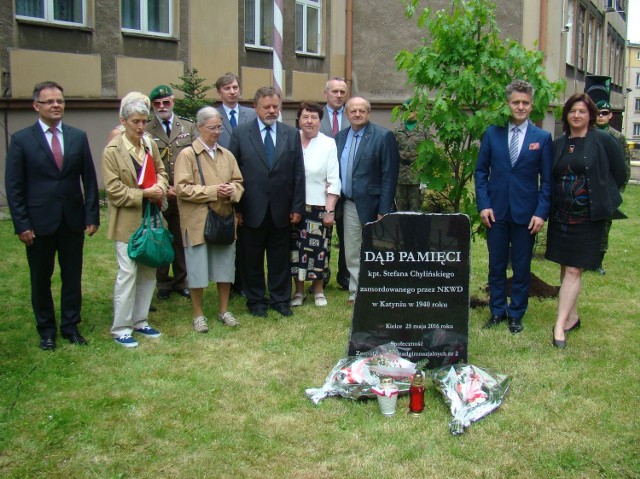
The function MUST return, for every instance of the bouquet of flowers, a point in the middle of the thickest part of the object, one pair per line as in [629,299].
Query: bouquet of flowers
[354,377]
[471,392]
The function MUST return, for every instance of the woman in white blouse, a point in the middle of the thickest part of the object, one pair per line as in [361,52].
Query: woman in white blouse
[311,237]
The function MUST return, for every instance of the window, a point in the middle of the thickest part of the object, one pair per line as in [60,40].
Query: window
[637,109]
[580,32]
[308,26]
[153,17]
[64,12]
[636,129]
[597,68]
[258,23]
[570,21]
[637,80]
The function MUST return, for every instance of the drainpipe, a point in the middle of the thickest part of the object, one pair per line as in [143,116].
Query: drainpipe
[349,46]
[542,35]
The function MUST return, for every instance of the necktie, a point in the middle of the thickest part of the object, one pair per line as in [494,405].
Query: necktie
[348,190]
[514,145]
[233,121]
[334,126]
[56,148]
[269,147]
[167,127]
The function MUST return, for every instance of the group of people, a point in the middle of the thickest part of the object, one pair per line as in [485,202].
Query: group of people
[522,178]
[287,188]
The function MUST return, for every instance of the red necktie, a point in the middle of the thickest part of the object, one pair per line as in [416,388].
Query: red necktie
[56,148]
[334,126]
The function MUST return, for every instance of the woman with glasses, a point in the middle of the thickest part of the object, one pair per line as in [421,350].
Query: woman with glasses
[221,189]
[122,162]
[588,170]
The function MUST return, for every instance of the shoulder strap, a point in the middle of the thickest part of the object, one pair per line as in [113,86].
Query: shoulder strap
[199,167]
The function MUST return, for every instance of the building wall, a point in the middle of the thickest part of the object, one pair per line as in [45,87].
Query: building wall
[632,112]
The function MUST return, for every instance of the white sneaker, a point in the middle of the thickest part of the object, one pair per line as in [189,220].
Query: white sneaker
[227,319]
[320,299]
[200,325]
[297,300]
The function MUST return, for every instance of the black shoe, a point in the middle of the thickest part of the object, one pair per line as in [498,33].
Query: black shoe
[284,310]
[494,321]
[75,338]
[258,312]
[47,344]
[163,294]
[515,325]
[574,327]
[343,282]
[152,308]
[557,343]
[185,293]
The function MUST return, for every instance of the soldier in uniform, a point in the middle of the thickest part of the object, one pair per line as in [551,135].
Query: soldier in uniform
[408,135]
[602,122]
[171,134]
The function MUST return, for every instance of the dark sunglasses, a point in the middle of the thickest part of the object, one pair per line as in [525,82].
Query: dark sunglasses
[604,113]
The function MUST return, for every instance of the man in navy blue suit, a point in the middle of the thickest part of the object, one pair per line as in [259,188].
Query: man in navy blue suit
[369,162]
[49,166]
[513,196]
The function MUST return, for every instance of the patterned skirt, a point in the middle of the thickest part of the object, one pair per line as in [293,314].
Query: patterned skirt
[310,244]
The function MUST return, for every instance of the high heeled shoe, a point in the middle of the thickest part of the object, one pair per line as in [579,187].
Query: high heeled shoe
[575,327]
[558,343]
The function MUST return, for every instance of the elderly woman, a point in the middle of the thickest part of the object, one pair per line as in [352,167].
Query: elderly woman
[122,162]
[588,170]
[222,188]
[311,237]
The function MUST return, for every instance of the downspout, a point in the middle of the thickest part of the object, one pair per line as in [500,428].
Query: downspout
[542,34]
[349,48]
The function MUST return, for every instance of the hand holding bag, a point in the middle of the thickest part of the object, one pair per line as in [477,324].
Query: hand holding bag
[151,244]
[218,229]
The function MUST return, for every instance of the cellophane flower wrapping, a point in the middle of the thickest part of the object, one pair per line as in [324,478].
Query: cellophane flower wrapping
[470,391]
[354,377]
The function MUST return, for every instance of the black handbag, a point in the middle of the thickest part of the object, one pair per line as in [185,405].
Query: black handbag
[220,230]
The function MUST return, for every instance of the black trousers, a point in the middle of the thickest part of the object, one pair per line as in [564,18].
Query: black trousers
[41,257]
[274,241]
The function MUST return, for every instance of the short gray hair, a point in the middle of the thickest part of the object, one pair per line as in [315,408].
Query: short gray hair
[134,102]
[205,114]
[519,86]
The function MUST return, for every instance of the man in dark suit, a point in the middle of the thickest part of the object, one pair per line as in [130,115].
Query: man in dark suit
[233,114]
[172,135]
[369,163]
[513,195]
[335,119]
[269,154]
[48,167]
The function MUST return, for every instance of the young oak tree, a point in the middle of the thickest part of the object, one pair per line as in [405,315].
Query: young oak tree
[459,75]
[195,91]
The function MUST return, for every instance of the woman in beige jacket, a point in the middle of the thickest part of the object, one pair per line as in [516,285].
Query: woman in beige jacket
[121,164]
[221,189]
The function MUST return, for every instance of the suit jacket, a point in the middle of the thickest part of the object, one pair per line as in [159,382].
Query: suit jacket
[183,133]
[327,120]
[121,186]
[375,171]
[524,188]
[245,115]
[41,196]
[280,188]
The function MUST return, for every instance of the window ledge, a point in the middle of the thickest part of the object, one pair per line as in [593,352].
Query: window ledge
[149,35]
[310,55]
[46,23]
[257,48]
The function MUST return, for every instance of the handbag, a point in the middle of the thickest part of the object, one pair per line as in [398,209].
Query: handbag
[219,230]
[151,244]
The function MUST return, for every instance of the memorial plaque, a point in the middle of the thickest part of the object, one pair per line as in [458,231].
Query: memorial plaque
[413,289]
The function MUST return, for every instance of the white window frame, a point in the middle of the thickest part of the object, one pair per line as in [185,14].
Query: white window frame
[570,34]
[144,21]
[636,129]
[257,27]
[49,12]
[637,80]
[637,105]
[306,5]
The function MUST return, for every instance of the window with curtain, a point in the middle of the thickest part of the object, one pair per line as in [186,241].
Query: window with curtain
[258,23]
[308,17]
[152,17]
[53,11]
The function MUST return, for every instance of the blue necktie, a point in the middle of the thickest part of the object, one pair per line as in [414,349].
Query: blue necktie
[233,121]
[269,147]
[348,190]
[514,145]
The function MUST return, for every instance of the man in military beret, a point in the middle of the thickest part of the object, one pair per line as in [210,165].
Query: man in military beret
[408,135]
[171,134]
[602,122]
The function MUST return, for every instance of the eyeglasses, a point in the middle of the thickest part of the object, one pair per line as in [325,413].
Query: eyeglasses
[604,113]
[51,102]
[157,103]
[214,128]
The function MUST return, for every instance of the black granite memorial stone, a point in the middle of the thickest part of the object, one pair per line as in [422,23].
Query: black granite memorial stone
[413,289]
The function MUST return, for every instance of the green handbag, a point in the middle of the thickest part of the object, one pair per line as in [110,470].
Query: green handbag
[151,244]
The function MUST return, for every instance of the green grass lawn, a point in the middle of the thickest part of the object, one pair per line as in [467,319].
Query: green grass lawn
[231,403]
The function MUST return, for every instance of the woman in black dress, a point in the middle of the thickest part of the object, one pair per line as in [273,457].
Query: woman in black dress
[588,170]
